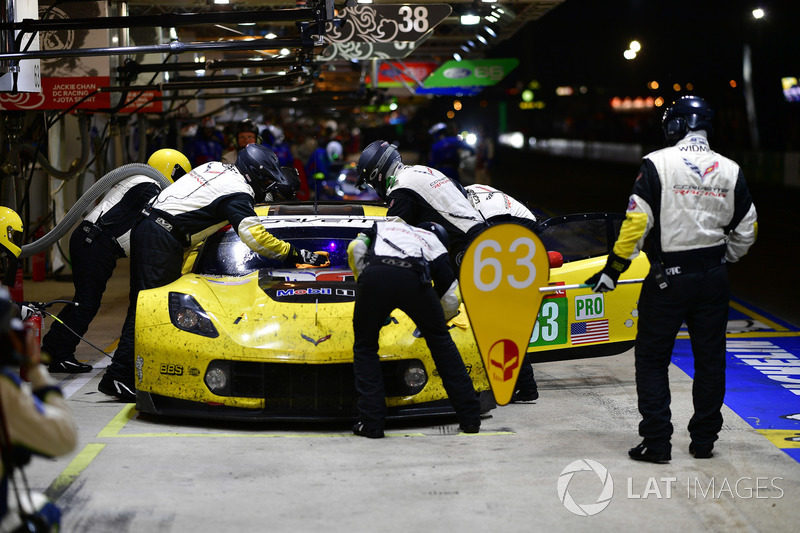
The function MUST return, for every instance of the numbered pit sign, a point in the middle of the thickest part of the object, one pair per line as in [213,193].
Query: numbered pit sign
[501,273]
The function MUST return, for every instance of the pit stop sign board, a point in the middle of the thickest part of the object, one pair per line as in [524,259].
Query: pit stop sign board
[385,23]
[501,273]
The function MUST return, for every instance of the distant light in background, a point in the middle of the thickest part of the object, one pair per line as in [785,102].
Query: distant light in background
[364,1]
[676,87]
[490,31]
[470,138]
[484,103]
[584,89]
[635,46]
[564,91]
[451,114]
[470,19]
[457,56]
[488,1]
[632,104]
[690,87]
[482,39]
[513,139]
[222,2]
[284,52]
[270,35]
[393,106]
[629,54]
[465,49]
[457,105]
[758,13]
[732,83]
[659,101]
[527,95]
[653,85]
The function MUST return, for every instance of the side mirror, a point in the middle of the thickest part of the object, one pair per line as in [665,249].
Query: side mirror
[556,259]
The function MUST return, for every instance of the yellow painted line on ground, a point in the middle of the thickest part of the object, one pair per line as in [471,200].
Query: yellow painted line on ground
[752,314]
[73,470]
[779,437]
[113,428]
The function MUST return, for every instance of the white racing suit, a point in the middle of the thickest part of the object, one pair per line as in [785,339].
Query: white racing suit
[422,194]
[694,207]
[496,206]
[181,216]
[94,247]
[394,265]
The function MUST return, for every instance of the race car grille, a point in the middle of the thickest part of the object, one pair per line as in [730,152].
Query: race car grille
[321,389]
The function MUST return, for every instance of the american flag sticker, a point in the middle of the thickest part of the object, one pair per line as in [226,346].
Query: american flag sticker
[592,331]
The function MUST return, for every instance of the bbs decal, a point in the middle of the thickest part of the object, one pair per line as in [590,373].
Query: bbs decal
[169,369]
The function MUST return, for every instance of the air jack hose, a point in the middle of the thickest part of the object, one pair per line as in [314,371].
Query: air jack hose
[84,202]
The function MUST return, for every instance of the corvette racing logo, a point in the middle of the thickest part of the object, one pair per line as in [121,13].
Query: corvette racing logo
[316,342]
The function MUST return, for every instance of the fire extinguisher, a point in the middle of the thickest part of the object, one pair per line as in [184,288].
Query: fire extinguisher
[33,332]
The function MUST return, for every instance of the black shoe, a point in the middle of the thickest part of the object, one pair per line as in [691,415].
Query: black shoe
[361,430]
[118,389]
[525,395]
[474,427]
[643,453]
[701,451]
[68,366]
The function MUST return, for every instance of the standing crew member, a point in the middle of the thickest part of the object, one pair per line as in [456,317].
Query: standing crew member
[497,207]
[695,206]
[184,214]
[246,133]
[446,151]
[421,194]
[94,247]
[394,264]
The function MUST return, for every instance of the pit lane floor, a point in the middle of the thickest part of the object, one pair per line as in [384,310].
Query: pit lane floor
[535,466]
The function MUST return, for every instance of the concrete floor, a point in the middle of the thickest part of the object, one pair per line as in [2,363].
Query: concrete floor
[130,474]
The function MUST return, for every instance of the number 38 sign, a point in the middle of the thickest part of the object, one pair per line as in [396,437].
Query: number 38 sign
[501,273]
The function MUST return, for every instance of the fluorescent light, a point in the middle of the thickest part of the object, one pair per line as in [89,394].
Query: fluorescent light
[222,2]
[470,19]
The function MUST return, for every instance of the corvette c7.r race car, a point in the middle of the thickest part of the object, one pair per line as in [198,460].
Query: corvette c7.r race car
[243,337]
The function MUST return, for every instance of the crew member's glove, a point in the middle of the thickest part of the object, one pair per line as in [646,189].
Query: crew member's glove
[606,279]
[307,257]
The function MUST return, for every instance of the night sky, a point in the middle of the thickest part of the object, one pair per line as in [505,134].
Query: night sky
[581,42]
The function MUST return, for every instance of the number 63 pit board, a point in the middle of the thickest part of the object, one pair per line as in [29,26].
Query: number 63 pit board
[501,273]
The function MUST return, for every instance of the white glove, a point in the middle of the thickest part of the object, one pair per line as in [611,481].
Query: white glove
[604,284]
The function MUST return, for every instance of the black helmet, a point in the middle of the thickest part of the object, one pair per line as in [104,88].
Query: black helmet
[688,113]
[286,187]
[260,168]
[438,230]
[374,164]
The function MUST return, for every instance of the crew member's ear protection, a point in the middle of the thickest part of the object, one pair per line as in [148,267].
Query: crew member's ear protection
[676,128]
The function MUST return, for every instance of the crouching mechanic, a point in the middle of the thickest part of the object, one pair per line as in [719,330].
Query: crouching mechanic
[497,207]
[394,264]
[185,213]
[694,207]
[94,247]
[420,194]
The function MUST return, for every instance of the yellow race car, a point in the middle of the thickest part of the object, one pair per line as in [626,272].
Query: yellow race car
[243,337]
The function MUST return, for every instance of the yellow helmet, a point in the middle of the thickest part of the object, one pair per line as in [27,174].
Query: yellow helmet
[171,163]
[9,223]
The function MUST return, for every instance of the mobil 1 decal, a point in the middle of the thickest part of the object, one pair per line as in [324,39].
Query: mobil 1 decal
[501,273]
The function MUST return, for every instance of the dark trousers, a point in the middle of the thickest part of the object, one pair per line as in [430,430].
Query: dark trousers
[156,260]
[382,289]
[92,266]
[700,300]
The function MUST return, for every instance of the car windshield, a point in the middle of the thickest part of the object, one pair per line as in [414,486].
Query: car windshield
[224,253]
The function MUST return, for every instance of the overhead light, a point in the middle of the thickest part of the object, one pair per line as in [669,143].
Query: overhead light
[490,31]
[482,39]
[222,2]
[470,19]
[489,1]
[457,56]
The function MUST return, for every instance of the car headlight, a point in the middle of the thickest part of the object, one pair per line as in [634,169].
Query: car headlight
[186,314]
